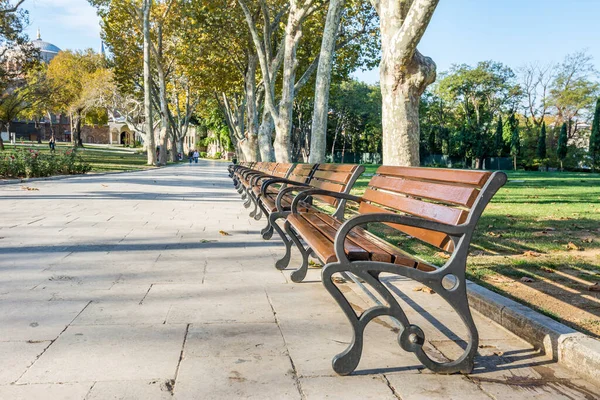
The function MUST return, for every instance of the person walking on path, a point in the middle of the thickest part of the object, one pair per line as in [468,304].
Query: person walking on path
[191,155]
[196,155]
[52,144]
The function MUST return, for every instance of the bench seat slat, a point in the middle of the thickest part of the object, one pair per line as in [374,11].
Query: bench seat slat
[320,244]
[375,253]
[437,239]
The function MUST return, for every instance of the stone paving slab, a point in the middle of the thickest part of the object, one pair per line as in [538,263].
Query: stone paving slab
[157,285]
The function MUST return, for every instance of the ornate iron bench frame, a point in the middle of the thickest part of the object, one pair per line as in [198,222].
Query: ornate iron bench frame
[449,281]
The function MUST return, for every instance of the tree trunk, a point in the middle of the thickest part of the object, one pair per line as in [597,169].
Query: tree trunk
[515,162]
[265,138]
[173,149]
[405,74]
[283,124]
[1,143]
[76,134]
[150,144]
[251,109]
[318,139]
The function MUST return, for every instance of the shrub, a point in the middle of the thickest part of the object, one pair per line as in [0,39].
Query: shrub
[218,155]
[30,163]
[203,154]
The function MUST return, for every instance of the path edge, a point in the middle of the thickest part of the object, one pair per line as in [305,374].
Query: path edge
[575,350]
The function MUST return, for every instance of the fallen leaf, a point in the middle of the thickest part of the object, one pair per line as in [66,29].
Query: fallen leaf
[207,241]
[526,279]
[103,185]
[588,240]
[573,246]
[224,233]
[424,289]
[594,288]
[313,264]
[530,253]
[28,188]
[494,234]
[337,279]
[548,270]
[443,255]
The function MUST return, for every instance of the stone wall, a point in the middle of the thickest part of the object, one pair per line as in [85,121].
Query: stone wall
[95,134]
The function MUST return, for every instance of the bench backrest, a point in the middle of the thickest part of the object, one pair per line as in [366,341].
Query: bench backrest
[443,195]
[282,170]
[336,178]
[302,173]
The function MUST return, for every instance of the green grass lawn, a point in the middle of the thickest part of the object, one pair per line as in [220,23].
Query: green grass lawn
[101,158]
[544,226]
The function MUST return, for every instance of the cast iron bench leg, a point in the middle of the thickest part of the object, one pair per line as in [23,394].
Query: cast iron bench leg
[299,274]
[411,337]
[285,260]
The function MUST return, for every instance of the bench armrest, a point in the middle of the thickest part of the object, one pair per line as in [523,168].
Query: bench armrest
[311,192]
[289,189]
[255,178]
[340,237]
[272,181]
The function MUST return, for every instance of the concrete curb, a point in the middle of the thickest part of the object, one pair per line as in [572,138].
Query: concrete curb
[575,350]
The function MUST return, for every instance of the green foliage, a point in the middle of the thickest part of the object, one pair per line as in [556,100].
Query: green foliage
[515,142]
[541,146]
[355,118]
[30,163]
[561,150]
[218,155]
[498,138]
[595,137]
[465,101]
[203,154]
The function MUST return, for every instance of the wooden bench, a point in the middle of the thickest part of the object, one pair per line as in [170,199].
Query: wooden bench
[243,177]
[281,171]
[334,178]
[439,207]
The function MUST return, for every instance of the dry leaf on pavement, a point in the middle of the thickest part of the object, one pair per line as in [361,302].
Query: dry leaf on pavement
[224,233]
[424,289]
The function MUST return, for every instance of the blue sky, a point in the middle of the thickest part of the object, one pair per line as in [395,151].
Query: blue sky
[513,32]
[461,31]
[68,24]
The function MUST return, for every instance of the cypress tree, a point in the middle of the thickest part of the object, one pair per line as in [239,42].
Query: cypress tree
[515,145]
[595,138]
[498,142]
[561,151]
[541,146]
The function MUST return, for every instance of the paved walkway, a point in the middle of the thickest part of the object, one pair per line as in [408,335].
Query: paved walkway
[123,287]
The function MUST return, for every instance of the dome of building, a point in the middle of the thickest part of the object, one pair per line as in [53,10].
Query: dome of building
[47,50]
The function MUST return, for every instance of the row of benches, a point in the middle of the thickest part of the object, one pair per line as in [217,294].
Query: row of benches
[308,205]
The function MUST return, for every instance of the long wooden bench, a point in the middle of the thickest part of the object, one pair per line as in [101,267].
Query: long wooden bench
[276,204]
[281,171]
[439,207]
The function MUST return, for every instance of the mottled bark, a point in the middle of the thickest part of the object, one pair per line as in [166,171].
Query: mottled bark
[405,74]
[323,82]
[251,109]
[265,138]
[150,144]
[282,112]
